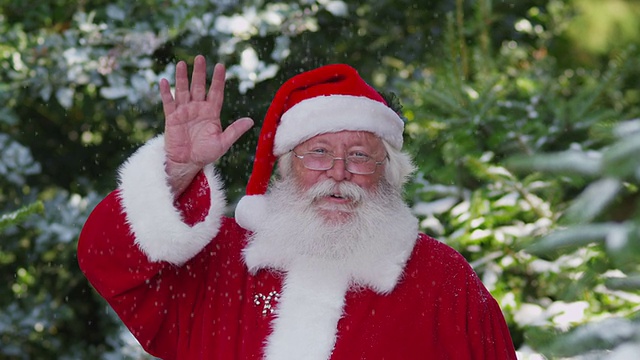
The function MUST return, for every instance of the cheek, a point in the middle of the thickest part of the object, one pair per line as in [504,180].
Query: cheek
[307,181]
[367,182]
[304,177]
[376,178]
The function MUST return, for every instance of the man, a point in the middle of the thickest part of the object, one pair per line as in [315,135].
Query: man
[326,262]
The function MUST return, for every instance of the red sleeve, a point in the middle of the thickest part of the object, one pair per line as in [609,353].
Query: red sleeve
[137,289]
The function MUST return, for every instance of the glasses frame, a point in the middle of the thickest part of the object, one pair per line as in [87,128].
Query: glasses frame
[333,162]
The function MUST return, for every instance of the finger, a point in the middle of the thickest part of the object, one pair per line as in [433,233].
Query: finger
[168,106]
[233,132]
[182,84]
[216,90]
[199,79]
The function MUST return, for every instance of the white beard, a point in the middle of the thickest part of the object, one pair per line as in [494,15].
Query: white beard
[379,227]
[324,259]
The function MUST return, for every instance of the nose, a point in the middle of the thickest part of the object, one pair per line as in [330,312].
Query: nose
[339,170]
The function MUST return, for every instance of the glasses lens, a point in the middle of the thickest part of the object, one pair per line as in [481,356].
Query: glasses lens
[324,161]
[360,165]
[315,161]
[361,168]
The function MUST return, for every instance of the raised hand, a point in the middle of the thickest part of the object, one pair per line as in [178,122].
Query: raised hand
[193,133]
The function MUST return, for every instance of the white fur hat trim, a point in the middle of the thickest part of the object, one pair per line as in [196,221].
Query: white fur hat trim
[334,113]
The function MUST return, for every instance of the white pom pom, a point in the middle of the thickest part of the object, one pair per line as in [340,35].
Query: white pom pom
[251,211]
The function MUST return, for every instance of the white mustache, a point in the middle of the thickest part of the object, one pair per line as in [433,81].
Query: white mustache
[330,187]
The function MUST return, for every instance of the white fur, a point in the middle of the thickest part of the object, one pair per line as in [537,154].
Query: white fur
[324,114]
[320,269]
[250,211]
[148,203]
[308,311]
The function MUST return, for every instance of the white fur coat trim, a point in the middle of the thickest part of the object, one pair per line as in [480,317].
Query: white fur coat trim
[308,312]
[148,203]
[312,298]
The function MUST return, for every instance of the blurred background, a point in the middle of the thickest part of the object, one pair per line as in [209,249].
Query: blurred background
[523,116]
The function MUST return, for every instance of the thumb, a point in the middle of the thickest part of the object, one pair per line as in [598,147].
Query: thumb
[233,132]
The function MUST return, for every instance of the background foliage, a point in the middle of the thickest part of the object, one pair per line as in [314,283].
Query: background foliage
[523,117]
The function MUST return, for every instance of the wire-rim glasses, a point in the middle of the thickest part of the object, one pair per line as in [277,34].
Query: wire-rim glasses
[322,161]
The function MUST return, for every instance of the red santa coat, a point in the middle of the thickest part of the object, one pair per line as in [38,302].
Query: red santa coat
[186,295]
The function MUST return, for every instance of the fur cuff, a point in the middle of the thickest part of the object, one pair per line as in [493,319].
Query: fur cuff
[157,225]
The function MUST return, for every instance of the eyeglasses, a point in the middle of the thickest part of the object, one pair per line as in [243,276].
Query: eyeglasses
[359,164]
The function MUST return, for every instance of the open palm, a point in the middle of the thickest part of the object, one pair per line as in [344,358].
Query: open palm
[193,132]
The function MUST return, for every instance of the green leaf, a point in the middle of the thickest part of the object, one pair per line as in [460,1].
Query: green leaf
[572,238]
[624,283]
[445,102]
[602,335]
[567,162]
[623,246]
[622,159]
[593,200]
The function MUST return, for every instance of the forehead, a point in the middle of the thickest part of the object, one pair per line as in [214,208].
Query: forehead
[346,139]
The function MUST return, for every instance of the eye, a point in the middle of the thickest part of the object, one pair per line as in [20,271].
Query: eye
[317,152]
[358,157]
[358,154]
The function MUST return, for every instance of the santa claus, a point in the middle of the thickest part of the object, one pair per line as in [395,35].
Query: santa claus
[325,261]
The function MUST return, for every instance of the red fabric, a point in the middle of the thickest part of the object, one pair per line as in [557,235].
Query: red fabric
[335,79]
[206,310]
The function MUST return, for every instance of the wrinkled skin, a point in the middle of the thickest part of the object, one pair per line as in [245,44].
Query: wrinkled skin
[339,144]
[193,132]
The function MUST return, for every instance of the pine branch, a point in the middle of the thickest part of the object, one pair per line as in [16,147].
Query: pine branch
[393,102]
[21,214]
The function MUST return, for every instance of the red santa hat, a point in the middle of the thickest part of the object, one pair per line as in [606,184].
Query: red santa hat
[328,99]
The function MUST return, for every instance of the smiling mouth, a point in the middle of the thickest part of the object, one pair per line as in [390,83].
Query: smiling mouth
[337,196]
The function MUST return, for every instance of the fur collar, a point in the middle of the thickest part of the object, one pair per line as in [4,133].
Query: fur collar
[312,297]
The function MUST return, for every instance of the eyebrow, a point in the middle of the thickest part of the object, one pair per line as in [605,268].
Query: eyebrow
[361,144]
